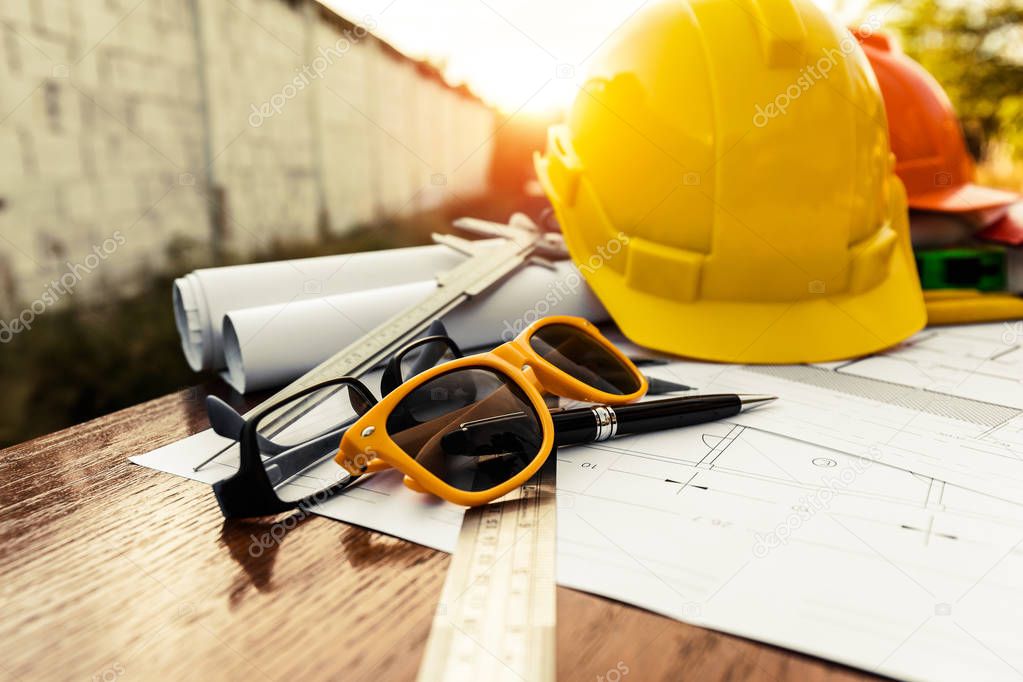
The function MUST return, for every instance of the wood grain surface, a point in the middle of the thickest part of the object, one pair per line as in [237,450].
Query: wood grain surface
[111,571]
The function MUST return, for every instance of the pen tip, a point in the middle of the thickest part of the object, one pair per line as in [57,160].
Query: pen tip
[750,401]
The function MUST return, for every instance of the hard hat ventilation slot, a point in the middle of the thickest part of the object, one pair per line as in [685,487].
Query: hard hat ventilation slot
[870,260]
[782,32]
[664,271]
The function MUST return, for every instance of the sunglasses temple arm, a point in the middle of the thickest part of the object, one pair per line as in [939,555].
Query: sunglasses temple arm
[296,459]
[472,438]
[427,359]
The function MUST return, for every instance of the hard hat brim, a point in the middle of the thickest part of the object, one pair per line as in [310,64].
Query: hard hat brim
[820,328]
[1007,230]
[963,199]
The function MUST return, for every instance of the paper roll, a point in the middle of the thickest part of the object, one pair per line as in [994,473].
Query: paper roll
[202,297]
[272,345]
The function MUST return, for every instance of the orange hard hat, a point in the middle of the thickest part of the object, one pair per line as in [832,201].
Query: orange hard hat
[930,151]
[1008,229]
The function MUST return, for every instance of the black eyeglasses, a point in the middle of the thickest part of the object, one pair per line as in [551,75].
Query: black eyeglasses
[286,454]
[286,457]
[416,357]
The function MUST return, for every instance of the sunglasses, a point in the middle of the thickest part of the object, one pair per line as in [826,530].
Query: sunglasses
[419,427]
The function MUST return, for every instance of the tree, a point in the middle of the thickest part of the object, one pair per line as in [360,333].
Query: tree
[975,50]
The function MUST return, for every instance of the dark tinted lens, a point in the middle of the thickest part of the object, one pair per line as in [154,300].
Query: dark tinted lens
[578,354]
[472,428]
[298,439]
[423,357]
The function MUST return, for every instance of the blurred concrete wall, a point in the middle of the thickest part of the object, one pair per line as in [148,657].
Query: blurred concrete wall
[128,126]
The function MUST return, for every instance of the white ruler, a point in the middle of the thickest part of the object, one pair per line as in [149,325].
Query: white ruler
[497,612]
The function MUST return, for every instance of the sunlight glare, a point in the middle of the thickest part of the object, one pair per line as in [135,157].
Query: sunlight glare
[527,55]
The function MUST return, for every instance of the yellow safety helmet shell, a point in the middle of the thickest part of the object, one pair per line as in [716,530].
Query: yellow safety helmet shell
[724,183]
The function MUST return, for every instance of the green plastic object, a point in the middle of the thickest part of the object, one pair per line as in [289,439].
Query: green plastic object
[983,269]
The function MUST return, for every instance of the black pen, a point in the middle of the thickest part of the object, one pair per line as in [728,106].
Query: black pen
[602,422]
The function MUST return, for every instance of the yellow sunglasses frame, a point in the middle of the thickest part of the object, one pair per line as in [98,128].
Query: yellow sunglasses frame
[366,447]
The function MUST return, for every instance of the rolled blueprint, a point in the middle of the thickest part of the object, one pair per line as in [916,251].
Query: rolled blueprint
[202,297]
[272,345]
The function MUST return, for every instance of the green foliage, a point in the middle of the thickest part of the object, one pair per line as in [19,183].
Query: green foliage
[81,361]
[975,50]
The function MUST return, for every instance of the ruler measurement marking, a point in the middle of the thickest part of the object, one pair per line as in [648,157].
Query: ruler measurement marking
[495,620]
[465,280]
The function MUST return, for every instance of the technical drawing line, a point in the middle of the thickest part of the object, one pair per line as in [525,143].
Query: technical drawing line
[902,643]
[992,651]
[899,395]
[633,557]
[979,580]
[882,556]
[719,448]
[999,356]
[785,479]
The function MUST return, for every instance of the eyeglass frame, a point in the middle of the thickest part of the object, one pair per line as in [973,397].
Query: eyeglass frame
[249,492]
[392,377]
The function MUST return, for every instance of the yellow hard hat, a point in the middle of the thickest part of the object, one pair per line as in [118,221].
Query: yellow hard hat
[724,182]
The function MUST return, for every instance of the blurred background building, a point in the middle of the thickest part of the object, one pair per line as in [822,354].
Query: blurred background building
[187,124]
[140,139]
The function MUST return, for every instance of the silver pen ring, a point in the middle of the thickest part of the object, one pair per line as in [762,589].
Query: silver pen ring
[607,422]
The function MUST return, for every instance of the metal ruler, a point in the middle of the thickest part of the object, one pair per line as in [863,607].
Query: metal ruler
[487,264]
[497,612]
[987,415]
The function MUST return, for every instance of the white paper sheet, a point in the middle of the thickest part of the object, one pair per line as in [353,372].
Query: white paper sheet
[785,542]
[272,345]
[771,536]
[202,297]
[381,502]
[983,362]
[974,444]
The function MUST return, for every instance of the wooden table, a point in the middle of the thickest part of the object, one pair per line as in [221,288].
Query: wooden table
[111,570]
